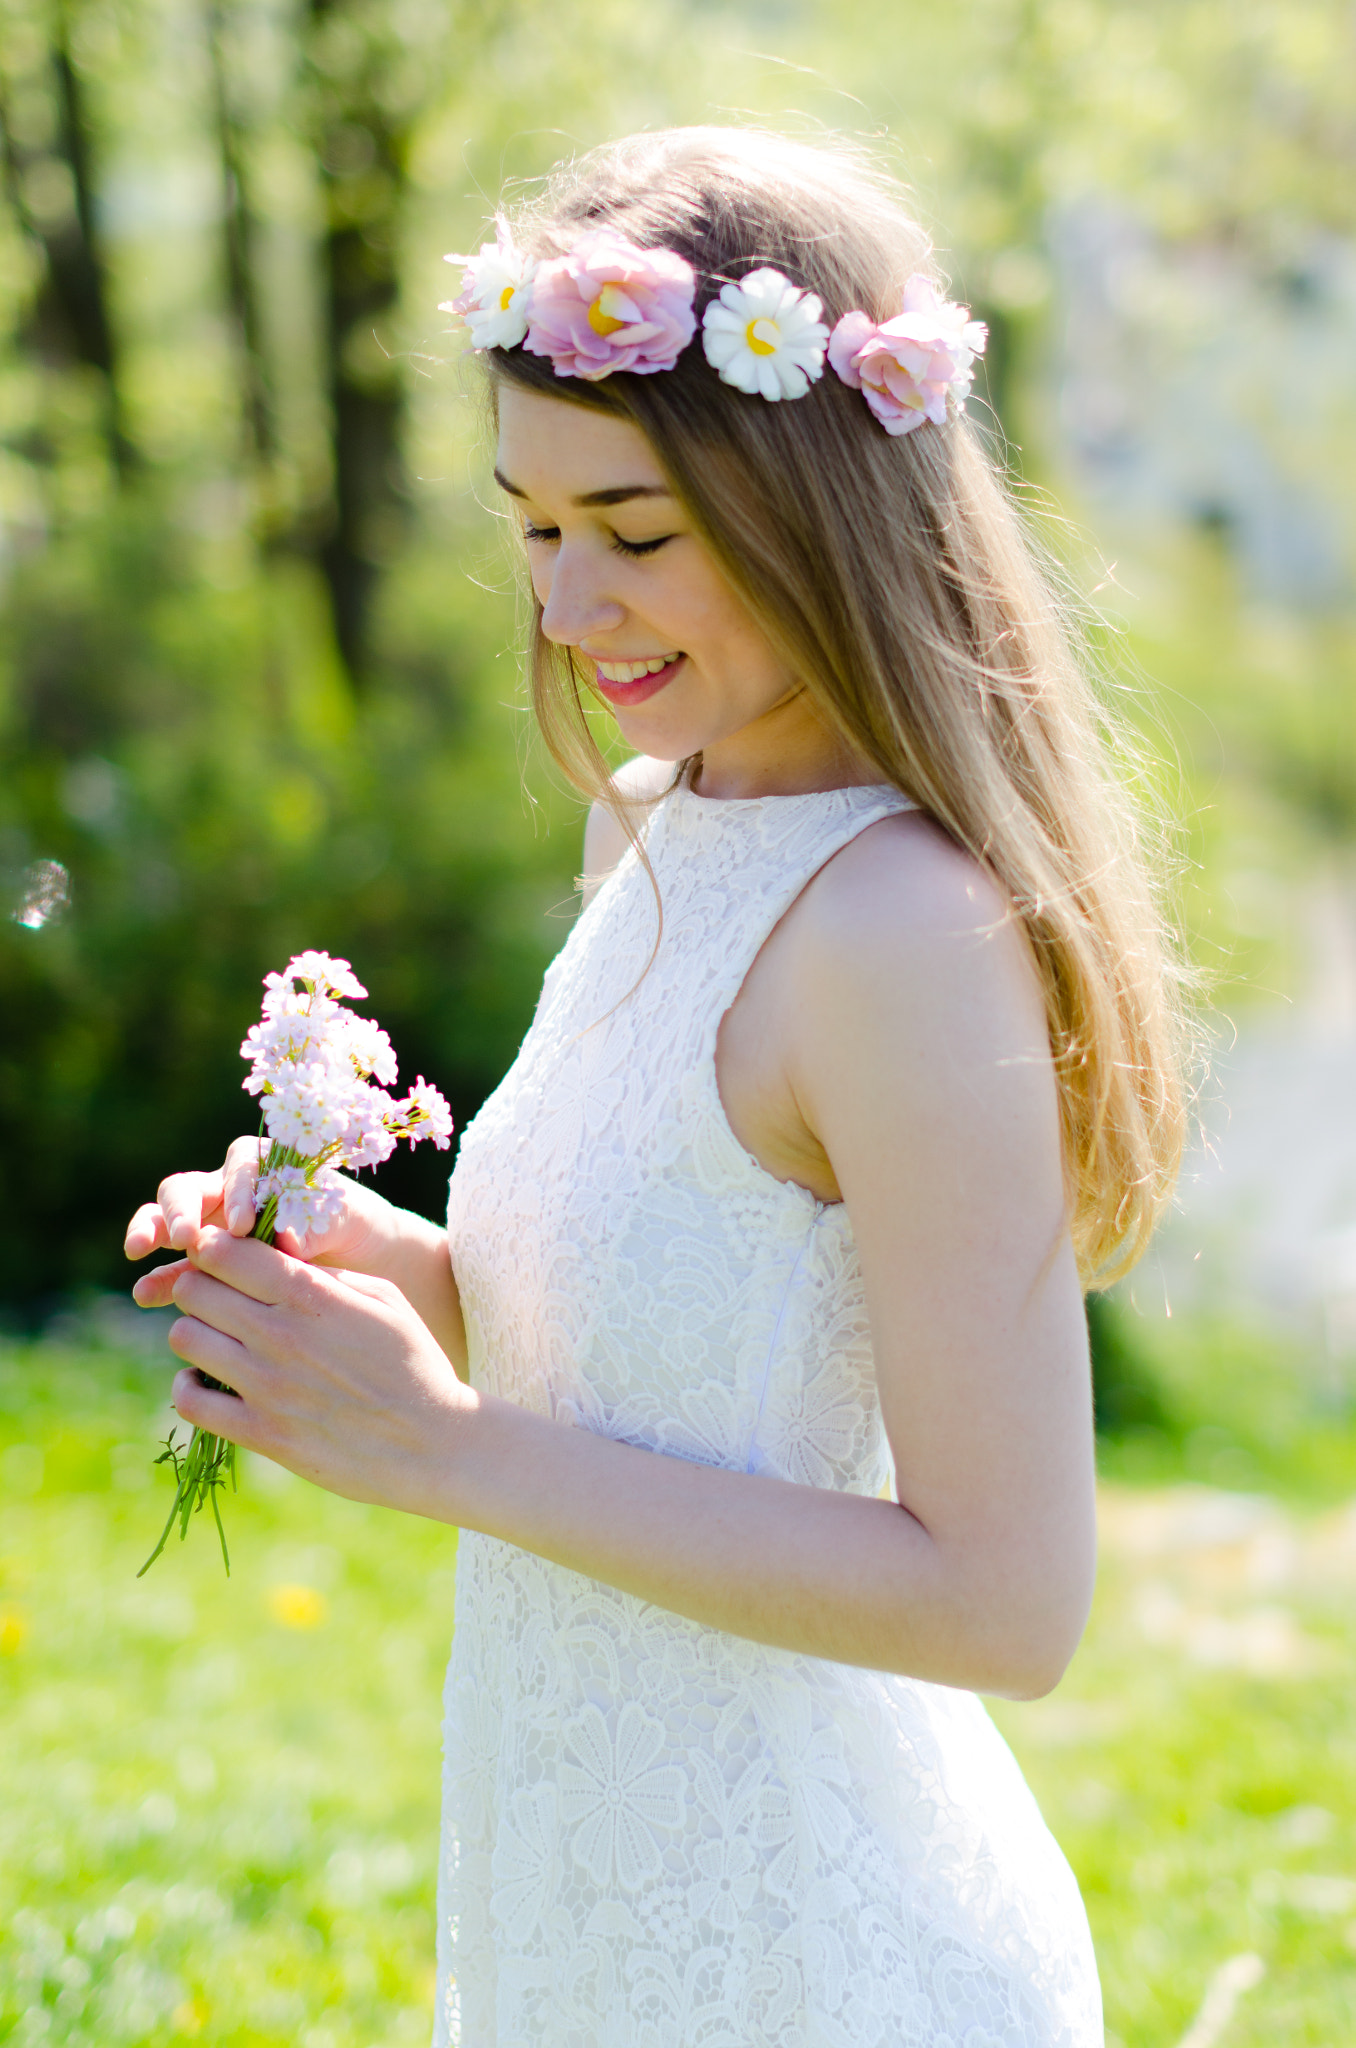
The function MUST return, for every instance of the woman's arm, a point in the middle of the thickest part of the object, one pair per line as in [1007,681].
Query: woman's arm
[920,1059]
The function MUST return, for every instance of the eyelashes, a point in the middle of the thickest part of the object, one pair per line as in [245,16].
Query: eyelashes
[638,547]
[549,535]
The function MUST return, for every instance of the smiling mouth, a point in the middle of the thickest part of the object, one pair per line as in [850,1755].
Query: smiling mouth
[631,682]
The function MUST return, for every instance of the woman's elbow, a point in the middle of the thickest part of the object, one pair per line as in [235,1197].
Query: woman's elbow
[1021,1630]
[1031,1645]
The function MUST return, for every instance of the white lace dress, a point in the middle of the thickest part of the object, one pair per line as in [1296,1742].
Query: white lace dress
[657,1835]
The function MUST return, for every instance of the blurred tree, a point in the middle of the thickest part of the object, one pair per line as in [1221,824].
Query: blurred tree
[50,183]
[241,236]
[370,71]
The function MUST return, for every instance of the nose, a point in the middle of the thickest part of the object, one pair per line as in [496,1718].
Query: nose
[571,585]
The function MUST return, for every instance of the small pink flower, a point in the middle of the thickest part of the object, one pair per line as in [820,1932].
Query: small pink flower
[369,1048]
[369,1139]
[611,306]
[308,1108]
[425,1114]
[309,1206]
[905,366]
[321,973]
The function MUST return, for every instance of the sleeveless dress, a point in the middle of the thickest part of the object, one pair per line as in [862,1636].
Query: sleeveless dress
[657,1835]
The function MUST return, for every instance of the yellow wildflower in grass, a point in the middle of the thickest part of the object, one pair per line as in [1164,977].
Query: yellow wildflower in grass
[297,1606]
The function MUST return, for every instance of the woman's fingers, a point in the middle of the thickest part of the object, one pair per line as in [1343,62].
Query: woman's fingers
[146,1233]
[156,1288]
[255,1269]
[226,1309]
[239,1175]
[184,1201]
[205,1408]
[198,1344]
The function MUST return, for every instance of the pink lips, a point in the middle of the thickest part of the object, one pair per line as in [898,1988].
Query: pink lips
[636,692]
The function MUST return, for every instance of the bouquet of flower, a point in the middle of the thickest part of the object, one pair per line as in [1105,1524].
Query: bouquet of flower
[322,1074]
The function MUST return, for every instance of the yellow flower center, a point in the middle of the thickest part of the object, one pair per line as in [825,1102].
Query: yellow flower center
[603,312]
[762,337]
[505,296]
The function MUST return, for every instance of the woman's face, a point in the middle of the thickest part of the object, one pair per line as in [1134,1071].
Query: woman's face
[621,577]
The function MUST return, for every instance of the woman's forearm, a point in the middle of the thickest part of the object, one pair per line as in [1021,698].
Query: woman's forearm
[339,1377]
[827,1574]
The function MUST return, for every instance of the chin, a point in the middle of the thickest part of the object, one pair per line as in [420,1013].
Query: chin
[658,743]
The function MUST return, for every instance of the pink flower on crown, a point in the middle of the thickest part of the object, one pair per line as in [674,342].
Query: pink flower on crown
[905,366]
[611,306]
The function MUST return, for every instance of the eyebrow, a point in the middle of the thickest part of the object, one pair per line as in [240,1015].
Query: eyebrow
[618,494]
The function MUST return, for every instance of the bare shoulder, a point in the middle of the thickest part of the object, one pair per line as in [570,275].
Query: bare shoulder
[906,930]
[604,841]
[902,874]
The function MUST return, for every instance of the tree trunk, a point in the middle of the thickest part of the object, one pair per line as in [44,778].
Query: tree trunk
[69,323]
[368,407]
[239,237]
[361,150]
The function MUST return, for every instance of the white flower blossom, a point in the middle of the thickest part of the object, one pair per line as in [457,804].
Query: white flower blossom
[369,1048]
[307,1206]
[496,293]
[306,1110]
[322,974]
[280,1041]
[765,336]
[318,1069]
[372,1130]
[425,1113]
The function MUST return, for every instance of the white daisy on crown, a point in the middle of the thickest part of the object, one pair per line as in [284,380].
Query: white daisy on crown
[609,305]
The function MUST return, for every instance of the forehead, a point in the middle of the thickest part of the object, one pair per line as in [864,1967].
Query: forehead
[551,448]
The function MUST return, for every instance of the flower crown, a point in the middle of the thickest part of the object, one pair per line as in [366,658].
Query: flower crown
[609,305]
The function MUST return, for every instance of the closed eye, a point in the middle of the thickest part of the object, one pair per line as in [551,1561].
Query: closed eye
[549,535]
[639,547]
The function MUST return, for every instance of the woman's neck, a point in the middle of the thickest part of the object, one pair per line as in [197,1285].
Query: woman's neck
[788,752]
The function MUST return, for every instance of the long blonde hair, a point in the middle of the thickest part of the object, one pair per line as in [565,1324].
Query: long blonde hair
[892,577]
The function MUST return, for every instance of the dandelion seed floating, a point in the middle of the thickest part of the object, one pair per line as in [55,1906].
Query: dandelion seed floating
[318,1071]
[44,894]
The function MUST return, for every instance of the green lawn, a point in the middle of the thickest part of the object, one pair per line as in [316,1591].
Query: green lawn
[218,1800]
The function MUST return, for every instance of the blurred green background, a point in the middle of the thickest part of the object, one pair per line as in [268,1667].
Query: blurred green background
[258,691]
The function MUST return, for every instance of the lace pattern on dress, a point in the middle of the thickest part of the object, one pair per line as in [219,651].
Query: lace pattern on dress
[657,1835]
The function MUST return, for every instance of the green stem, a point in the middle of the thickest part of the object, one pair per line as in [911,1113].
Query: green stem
[199,1472]
[202,1470]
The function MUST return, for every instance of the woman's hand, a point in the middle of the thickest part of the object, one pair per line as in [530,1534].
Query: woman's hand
[333,1374]
[185,1202]
[371,1237]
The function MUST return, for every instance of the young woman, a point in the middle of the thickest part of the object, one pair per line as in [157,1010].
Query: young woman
[769,1436]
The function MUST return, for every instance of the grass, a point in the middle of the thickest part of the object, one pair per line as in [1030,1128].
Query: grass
[218,1800]
[218,1810]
